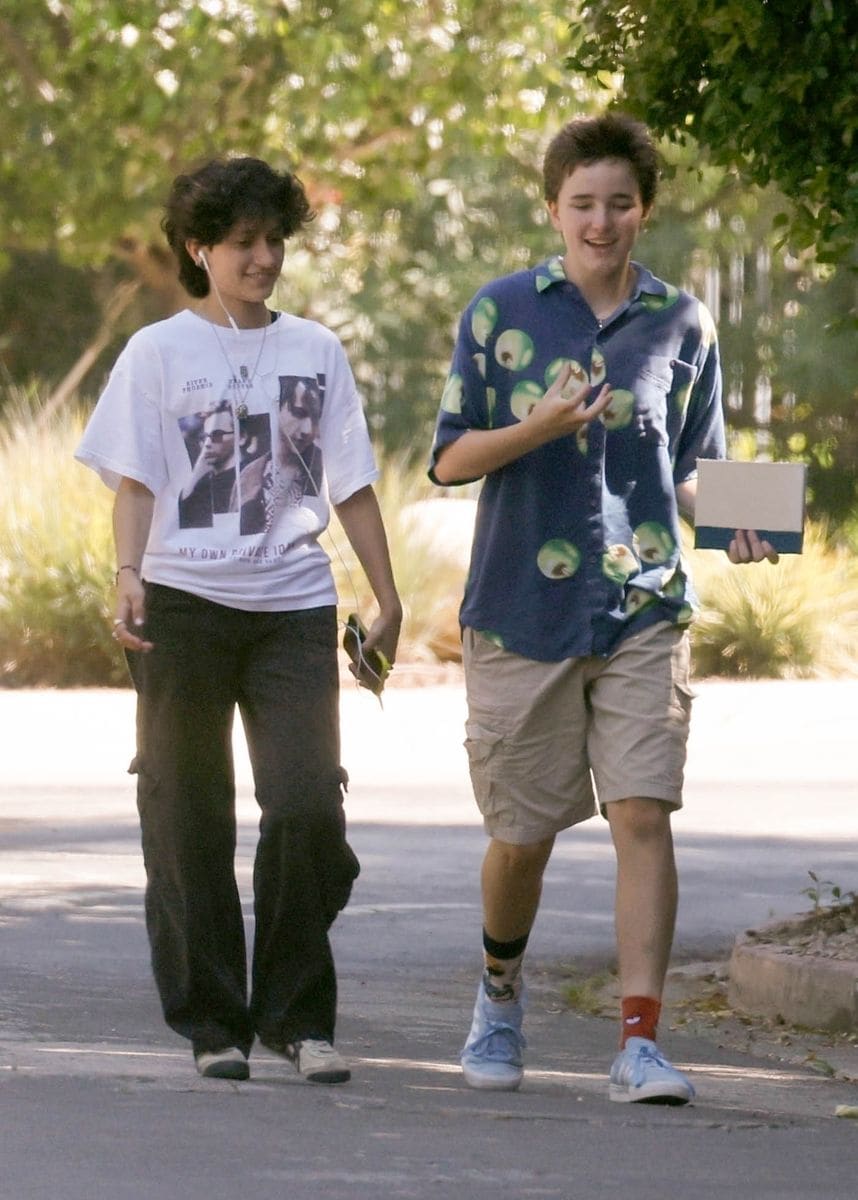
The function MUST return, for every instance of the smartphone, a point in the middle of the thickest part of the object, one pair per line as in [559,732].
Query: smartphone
[371,666]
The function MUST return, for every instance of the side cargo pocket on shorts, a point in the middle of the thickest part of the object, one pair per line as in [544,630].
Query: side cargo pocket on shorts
[683,691]
[484,747]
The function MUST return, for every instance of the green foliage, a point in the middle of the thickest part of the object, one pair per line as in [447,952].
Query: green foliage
[430,574]
[793,620]
[38,291]
[770,88]
[790,365]
[417,128]
[820,890]
[56,560]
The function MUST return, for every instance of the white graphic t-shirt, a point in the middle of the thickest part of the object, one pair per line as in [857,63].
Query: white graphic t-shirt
[245,438]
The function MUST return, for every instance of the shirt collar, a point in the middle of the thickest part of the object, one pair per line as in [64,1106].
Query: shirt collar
[551,272]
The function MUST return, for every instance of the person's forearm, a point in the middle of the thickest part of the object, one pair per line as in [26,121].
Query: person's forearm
[361,519]
[132,520]
[564,409]
[481,451]
[686,497]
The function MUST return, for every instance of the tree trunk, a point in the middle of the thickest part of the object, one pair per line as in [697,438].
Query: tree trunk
[120,299]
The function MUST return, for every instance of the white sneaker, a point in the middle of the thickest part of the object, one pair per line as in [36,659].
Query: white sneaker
[492,1055]
[229,1063]
[641,1074]
[317,1061]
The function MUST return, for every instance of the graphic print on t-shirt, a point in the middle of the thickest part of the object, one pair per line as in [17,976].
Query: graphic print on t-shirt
[279,481]
[246,475]
[210,442]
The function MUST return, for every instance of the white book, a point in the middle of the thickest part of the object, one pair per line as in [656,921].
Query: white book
[768,497]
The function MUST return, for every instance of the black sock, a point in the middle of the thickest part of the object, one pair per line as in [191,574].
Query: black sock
[502,974]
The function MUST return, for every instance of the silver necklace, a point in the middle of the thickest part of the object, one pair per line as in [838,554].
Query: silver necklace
[241,382]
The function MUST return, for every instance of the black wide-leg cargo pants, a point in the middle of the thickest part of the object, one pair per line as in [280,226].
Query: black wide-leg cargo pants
[280,670]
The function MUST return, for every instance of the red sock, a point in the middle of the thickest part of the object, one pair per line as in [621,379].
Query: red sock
[639,1017]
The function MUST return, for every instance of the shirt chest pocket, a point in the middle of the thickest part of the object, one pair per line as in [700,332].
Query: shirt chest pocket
[655,380]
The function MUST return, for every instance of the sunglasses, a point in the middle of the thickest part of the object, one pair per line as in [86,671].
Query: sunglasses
[217,435]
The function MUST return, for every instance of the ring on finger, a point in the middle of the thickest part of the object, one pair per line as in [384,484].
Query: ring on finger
[118,621]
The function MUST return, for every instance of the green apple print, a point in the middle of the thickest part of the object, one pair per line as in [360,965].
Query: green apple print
[618,414]
[685,615]
[657,303]
[636,599]
[598,370]
[558,559]
[483,319]
[479,361]
[514,349]
[556,269]
[673,584]
[451,397]
[655,543]
[525,396]
[682,397]
[494,638]
[576,381]
[708,333]
[552,272]
[581,440]
[491,404]
[618,563]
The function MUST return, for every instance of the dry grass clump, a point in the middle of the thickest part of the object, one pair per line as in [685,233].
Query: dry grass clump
[56,559]
[793,620]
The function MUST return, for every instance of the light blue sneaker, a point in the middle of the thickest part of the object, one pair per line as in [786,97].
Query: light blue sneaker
[491,1058]
[642,1074]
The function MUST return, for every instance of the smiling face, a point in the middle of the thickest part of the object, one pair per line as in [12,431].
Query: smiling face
[598,213]
[243,268]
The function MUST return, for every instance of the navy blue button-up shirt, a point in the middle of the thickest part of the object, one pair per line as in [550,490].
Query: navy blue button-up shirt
[577,543]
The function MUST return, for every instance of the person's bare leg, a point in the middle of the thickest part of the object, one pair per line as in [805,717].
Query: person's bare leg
[645,916]
[512,887]
[646,894]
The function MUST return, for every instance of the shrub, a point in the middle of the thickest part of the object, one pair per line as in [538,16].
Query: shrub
[793,620]
[56,558]
[427,557]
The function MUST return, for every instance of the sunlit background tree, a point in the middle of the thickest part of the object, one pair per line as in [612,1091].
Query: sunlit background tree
[418,127]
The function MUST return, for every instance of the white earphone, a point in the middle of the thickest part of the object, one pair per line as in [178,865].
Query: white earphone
[202,261]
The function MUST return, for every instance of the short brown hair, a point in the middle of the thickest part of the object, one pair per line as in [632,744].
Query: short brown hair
[589,139]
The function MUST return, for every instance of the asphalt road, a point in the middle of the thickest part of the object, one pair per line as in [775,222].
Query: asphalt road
[98,1099]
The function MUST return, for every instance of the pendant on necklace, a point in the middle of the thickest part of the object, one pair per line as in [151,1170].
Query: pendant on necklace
[241,409]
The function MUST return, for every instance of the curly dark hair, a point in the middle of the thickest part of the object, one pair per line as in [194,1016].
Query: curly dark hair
[589,139]
[205,204]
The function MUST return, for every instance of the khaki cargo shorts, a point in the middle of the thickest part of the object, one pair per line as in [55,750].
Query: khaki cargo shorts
[547,741]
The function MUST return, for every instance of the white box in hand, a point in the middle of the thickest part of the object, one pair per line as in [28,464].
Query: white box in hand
[765,496]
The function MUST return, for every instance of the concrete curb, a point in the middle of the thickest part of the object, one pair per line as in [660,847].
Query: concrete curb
[800,989]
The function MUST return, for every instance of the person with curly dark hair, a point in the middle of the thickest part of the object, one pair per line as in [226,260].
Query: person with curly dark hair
[215,612]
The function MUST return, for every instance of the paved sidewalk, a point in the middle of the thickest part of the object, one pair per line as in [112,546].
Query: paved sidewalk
[794,737]
[99,1101]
